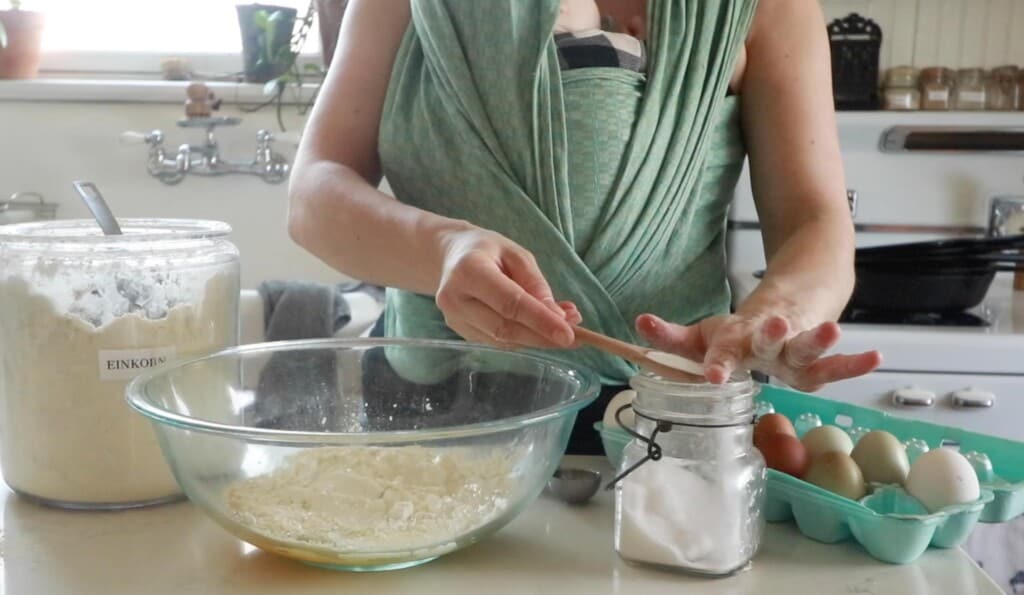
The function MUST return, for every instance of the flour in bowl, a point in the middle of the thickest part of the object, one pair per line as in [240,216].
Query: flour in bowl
[373,499]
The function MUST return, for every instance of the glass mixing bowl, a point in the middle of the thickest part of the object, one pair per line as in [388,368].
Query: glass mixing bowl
[363,454]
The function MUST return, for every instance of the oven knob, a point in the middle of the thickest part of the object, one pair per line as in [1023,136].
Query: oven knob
[972,398]
[911,396]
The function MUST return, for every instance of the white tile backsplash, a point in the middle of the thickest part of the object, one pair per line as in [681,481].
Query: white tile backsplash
[954,33]
[49,144]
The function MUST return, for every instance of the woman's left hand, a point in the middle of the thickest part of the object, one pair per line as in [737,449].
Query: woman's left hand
[778,345]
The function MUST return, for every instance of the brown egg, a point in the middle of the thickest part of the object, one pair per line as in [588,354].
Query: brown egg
[837,472]
[773,423]
[783,452]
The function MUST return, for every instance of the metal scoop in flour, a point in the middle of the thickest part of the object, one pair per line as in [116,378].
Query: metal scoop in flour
[98,207]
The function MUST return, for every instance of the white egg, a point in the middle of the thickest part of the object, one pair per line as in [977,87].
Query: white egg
[942,477]
[628,417]
[824,439]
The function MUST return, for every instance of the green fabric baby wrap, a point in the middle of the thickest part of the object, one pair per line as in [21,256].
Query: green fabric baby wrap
[619,185]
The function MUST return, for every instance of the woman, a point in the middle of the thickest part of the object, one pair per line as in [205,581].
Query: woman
[501,211]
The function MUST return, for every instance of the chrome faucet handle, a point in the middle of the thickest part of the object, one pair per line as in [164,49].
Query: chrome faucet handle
[263,139]
[1006,216]
[851,199]
[131,137]
[272,166]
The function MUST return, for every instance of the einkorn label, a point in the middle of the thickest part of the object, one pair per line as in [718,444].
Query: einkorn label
[125,364]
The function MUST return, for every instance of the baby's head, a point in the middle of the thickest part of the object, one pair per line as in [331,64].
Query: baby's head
[577,15]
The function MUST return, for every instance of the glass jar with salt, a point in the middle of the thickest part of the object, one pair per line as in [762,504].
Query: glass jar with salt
[691,485]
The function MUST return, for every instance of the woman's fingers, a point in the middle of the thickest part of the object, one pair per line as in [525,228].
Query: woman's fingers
[807,347]
[770,338]
[730,347]
[572,313]
[512,302]
[687,341]
[479,318]
[522,268]
[721,361]
[833,368]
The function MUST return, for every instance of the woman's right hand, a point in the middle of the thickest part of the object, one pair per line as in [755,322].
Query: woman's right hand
[491,291]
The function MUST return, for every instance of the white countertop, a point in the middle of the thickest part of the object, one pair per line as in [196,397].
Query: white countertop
[552,547]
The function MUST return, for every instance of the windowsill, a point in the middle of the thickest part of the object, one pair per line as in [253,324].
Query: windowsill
[135,91]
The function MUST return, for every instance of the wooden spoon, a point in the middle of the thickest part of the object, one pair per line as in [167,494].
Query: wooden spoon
[642,357]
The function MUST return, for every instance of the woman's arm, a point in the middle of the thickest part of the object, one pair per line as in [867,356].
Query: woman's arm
[335,209]
[796,168]
[489,288]
[785,326]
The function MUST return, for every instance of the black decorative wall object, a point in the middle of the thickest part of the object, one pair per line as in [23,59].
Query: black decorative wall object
[855,42]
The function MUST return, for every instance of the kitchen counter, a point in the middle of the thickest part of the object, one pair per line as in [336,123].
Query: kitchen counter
[552,547]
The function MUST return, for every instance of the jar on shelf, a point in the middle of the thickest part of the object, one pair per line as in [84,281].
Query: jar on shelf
[1001,90]
[969,89]
[900,90]
[691,485]
[82,314]
[1020,89]
[936,86]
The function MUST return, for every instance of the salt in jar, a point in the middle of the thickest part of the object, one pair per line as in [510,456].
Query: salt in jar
[691,484]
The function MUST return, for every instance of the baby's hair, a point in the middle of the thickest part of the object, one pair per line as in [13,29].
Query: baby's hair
[608,23]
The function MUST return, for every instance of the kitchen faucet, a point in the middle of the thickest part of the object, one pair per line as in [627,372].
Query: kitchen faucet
[205,159]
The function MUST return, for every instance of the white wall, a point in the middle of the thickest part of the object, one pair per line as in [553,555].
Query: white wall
[46,145]
[953,33]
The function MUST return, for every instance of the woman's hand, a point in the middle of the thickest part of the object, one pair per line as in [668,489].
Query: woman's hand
[779,345]
[492,291]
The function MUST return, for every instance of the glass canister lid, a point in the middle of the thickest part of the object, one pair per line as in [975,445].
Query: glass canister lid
[133,230]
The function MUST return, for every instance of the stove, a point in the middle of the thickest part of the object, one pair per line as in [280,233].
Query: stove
[960,369]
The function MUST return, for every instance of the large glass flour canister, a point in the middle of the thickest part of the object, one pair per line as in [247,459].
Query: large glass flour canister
[81,314]
[691,484]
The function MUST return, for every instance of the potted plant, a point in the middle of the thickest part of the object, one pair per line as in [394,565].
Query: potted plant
[21,35]
[278,55]
[266,40]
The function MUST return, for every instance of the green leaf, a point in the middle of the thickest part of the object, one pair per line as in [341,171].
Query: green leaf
[312,68]
[3,36]
[284,55]
[275,16]
[260,18]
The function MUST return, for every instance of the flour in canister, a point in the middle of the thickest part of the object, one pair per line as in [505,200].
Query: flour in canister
[69,344]
[374,499]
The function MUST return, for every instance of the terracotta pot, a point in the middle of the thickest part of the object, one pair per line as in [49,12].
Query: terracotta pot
[20,59]
[330,13]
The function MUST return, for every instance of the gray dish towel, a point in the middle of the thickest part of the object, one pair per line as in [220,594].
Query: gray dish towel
[297,390]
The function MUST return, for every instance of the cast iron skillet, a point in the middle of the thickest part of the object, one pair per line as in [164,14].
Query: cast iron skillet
[938,276]
[928,284]
[895,290]
[943,248]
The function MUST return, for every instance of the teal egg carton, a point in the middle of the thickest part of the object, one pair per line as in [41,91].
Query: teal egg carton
[890,524]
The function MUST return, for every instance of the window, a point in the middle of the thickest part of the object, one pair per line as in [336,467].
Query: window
[133,36]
